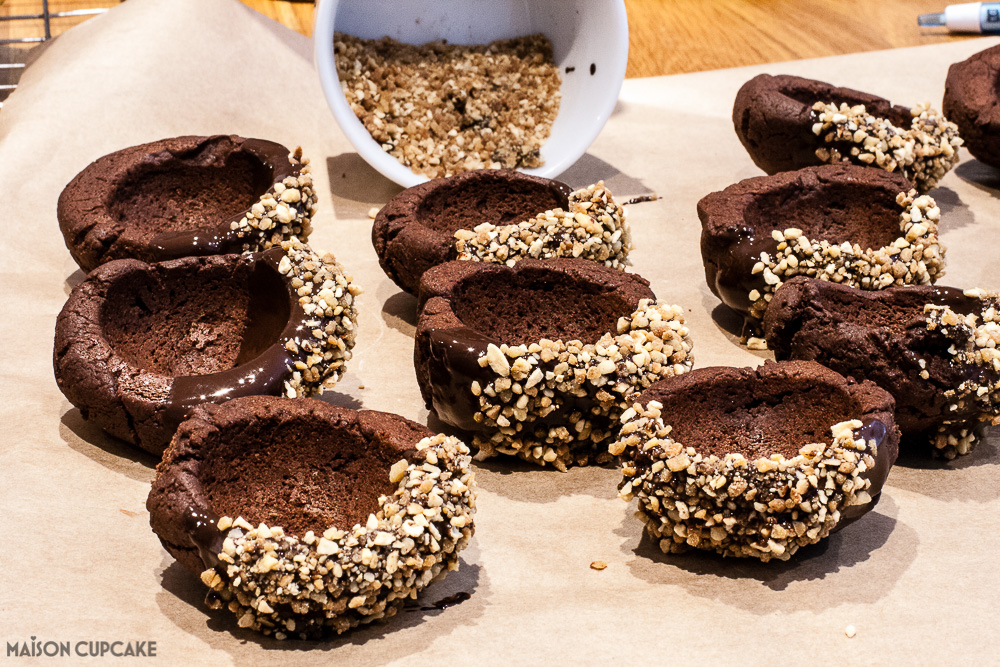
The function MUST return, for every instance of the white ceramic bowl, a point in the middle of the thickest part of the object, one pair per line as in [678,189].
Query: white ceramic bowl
[587,35]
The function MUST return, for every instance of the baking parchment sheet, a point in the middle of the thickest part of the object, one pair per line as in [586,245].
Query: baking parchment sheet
[917,578]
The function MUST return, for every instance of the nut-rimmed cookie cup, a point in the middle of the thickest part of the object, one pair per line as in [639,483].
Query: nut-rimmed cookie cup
[138,345]
[538,360]
[789,122]
[186,196]
[843,223]
[496,216]
[970,100]
[303,518]
[933,348]
[755,462]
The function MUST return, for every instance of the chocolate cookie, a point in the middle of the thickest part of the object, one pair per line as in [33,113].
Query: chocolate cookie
[302,517]
[755,462]
[186,196]
[138,345]
[538,360]
[496,216]
[787,122]
[844,223]
[932,348]
[971,101]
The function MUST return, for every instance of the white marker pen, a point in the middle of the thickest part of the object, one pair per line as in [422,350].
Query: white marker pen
[981,17]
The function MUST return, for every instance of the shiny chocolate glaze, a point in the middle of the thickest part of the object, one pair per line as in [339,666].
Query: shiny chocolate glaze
[201,525]
[266,373]
[453,364]
[731,245]
[871,430]
[221,239]
[447,350]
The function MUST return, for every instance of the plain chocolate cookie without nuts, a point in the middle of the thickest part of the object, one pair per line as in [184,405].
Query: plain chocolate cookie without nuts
[972,102]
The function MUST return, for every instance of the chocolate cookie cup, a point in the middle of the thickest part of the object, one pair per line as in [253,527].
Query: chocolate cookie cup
[538,360]
[138,345]
[186,196]
[971,101]
[304,518]
[755,463]
[496,216]
[842,223]
[787,122]
[933,348]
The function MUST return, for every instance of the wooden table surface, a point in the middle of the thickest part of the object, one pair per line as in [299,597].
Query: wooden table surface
[671,36]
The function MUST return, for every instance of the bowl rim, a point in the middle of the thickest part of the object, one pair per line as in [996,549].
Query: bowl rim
[387,165]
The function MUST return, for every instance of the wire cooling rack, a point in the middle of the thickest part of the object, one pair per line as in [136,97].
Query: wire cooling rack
[19,32]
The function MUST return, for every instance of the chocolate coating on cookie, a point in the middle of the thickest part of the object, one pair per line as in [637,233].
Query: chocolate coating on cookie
[788,122]
[905,340]
[302,517]
[186,196]
[755,462]
[138,345]
[496,216]
[537,360]
[972,102]
[843,223]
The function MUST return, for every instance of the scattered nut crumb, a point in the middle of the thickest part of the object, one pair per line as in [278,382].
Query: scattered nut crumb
[442,109]
[598,565]
[850,631]
[373,212]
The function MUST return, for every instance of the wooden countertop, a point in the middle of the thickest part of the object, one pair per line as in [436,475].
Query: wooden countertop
[671,36]
[675,36]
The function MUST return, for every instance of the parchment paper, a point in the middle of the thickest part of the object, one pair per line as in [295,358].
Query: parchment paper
[918,578]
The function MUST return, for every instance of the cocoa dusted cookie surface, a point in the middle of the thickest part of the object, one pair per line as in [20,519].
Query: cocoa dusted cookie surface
[972,102]
[842,223]
[186,196]
[755,462]
[496,216]
[138,345]
[932,348]
[788,122]
[303,518]
[539,359]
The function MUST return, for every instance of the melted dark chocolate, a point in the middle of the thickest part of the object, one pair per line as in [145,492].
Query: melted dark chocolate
[201,525]
[221,238]
[453,363]
[443,603]
[641,199]
[871,429]
[263,374]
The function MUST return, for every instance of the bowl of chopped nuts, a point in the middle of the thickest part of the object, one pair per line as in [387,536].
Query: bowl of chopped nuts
[431,88]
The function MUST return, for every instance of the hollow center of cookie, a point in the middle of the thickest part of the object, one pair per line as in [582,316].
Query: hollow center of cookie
[756,418]
[302,474]
[835,212]
[880,108]
[197,319]
[189,191]
[517,309]
[487,198]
